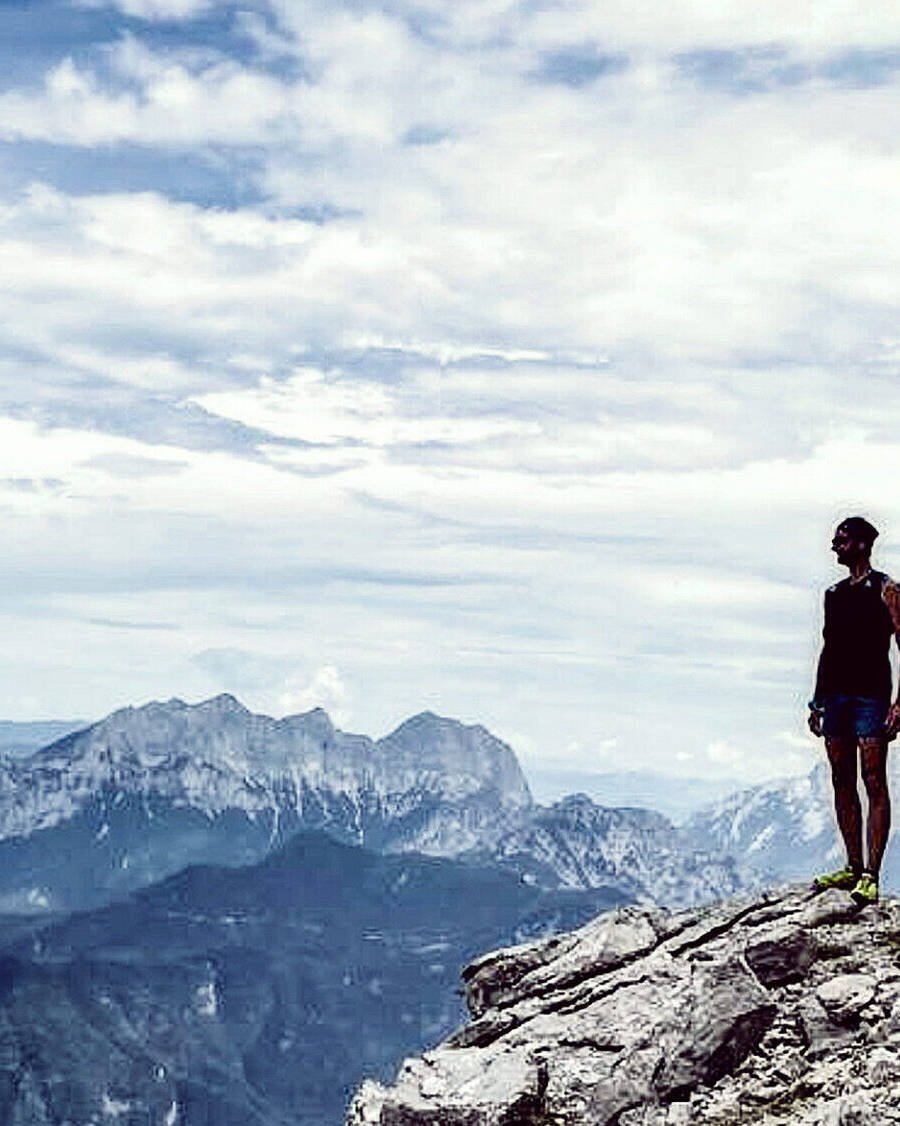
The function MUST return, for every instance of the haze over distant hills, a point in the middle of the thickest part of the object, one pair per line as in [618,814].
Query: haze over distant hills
[24,738]
[675,796]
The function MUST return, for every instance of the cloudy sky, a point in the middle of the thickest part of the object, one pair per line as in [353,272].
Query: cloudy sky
[507,358]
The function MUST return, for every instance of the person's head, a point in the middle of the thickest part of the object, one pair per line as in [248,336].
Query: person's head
[853,539]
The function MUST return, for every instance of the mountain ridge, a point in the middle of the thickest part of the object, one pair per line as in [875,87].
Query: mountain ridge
[214,753]
[150,789]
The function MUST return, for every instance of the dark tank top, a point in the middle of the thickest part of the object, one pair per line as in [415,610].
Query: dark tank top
[857,633]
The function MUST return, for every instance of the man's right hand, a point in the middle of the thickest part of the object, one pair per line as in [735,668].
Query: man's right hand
[815,722]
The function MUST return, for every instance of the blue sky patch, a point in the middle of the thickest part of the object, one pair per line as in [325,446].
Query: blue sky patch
[759,69]
[318,213]
[226,30]
[226,178]
[37,35]
[578,66]
[863,68]
[426,134]
[741,72]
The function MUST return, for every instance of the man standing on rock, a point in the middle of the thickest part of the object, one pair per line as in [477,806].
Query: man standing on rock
[852,705]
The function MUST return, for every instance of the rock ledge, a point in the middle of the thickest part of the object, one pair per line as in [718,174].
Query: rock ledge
[782,1008]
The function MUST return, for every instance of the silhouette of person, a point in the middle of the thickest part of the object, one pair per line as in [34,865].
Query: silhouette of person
[851,705]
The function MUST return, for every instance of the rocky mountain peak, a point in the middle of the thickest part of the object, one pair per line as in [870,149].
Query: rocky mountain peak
[217,756]
[220,733]
[316,723]
[451,731]
[779,1008]
[580,809]
[223,704]
[445,745]
[427,719]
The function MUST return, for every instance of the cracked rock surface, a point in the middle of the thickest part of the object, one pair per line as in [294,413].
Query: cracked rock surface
[780,1008]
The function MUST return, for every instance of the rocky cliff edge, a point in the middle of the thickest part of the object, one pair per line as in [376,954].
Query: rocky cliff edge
[781,1008]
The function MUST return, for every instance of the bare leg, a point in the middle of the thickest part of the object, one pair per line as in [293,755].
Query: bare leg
[842,756]
[874,771]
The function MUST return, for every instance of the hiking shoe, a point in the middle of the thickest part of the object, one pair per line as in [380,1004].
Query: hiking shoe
[866,890]
[844,879]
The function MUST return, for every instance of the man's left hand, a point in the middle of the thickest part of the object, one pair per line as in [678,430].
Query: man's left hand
[892,723]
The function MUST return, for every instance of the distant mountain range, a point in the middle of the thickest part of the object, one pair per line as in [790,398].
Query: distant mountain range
[147,791]
[786,829]
[24,738]
[216,916]
[676,797]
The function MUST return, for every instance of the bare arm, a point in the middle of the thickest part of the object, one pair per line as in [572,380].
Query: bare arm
[815,704]
[891,596]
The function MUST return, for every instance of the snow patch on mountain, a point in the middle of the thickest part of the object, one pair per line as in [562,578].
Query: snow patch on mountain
[785,830]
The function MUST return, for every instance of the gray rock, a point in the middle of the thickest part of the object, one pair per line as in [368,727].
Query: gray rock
[783,1007]
[561,962]
[843,997]
[830,907]
[883,1066]
[821,1034]
[781,954]
[856,1109]
[765,1009]
[615,1020]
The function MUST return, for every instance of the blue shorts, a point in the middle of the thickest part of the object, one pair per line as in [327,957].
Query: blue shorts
[862,717]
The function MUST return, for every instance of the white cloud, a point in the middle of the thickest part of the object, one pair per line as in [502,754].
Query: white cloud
[587,373]
[754,763]
[678,26]
[93,474]
[698,586]
[325,690]
[685,225]
[175,105]
[320,407]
